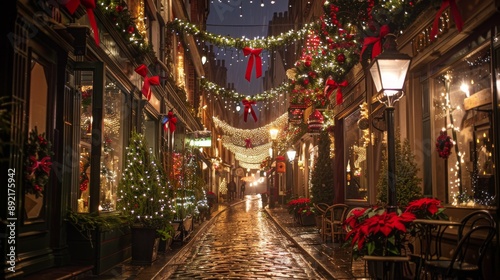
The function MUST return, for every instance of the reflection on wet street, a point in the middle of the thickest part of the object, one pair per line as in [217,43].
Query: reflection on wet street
[243,243]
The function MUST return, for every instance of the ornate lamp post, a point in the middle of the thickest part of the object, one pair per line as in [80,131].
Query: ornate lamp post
[388,71]
[291,153]
[273,133]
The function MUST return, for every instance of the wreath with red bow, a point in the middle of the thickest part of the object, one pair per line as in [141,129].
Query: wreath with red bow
[444,145]
[38,162]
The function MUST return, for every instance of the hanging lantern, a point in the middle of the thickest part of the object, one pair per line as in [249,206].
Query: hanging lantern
[315,122]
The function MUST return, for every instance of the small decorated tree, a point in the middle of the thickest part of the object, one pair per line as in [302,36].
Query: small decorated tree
[143,192]
[322,179]
[407,180]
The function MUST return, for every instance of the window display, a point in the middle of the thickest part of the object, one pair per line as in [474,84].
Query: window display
[463,129]
[355,158]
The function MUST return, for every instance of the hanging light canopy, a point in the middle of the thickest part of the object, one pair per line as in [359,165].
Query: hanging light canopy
[388,71]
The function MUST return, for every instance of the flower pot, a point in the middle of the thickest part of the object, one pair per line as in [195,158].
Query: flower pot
[307,220]
[165,244]
[145,243]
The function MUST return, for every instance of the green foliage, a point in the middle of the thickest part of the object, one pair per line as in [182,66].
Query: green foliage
[322,180]
[143,192]
[86,224]
[407,182]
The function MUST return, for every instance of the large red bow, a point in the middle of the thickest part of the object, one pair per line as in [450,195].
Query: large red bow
[148,81]
[89,5]
[248,109]
[172,121]
[331,85]
[248,143]
[376,41]
[254,55]
[44,164]
[454,12]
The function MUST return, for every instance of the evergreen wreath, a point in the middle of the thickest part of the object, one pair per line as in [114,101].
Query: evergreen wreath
[444,145]
[38,162]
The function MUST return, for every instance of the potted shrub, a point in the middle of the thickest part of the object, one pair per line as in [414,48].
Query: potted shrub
[322,180]
[143,197]
[302,211]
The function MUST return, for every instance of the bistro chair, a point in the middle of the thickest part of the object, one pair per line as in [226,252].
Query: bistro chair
[467,259]
[320,213]
[474,219]
[333,222]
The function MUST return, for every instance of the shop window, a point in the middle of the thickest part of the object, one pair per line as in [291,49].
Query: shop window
[38,97]
[151,132]
[111,148]
[355,166]
[463,130]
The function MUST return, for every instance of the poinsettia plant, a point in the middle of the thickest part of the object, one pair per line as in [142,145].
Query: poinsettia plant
[300,206]
[375,231]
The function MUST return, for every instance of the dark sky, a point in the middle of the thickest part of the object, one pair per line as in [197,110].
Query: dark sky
[224,19]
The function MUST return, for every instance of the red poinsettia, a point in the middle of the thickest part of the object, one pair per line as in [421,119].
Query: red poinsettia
[375,231]
[426,208]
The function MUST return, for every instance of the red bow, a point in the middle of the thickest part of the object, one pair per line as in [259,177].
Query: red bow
[151,81]
[248,143]
[89,5]
[376,41]
[248,109]
[254,55]
[331,85]
[44,164]
[172,121]
[454,12]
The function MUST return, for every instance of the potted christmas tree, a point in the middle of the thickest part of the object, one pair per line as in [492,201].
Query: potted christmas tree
[407,180]
[322,180]
[143,196]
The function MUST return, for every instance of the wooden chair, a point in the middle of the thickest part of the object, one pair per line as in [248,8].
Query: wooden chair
[320,212]
[333,222]
[460,266]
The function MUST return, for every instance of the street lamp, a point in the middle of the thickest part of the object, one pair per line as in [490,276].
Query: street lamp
[388,71]
[291,153]
[273,132]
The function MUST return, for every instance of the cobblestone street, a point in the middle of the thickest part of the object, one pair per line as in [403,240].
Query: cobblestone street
[242,243]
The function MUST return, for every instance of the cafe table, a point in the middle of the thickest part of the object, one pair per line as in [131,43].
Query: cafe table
[430,236]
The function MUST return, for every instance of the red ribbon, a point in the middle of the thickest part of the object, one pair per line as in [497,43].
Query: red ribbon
[248,109]
[376,41]
[248,143]
[89,5]
[254,55]
[454,12]
[331,85]
[148,81]
[172,121]
[44,164]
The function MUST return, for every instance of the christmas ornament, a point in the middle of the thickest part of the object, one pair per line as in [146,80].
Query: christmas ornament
[315,122]
[89,5]
[254,58]
[444,145]
[38,162]
[248,109]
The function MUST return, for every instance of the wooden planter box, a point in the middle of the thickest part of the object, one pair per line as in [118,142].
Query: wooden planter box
[107,249]
[183,228]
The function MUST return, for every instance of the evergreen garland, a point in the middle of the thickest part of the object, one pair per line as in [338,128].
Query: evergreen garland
[322,180]
[407,180]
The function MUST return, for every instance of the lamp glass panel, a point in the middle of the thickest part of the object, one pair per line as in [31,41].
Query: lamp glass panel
[393,74]
[291,154]
[374,70]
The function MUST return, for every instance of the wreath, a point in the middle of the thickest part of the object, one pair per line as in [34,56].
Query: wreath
[38,162]
[444,145]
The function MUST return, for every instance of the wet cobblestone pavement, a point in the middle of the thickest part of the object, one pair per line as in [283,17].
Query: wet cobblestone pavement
[243,243]
[242,240]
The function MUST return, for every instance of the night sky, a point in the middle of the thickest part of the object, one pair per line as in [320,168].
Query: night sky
[224,18]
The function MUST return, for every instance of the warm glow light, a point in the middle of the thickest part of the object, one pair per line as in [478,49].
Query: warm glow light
[274,133]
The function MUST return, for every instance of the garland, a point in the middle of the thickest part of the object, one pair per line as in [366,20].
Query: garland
[444,143]
[235,96]
[37,163]
[239,43]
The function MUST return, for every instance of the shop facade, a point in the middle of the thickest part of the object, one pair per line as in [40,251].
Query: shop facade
[84,95]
